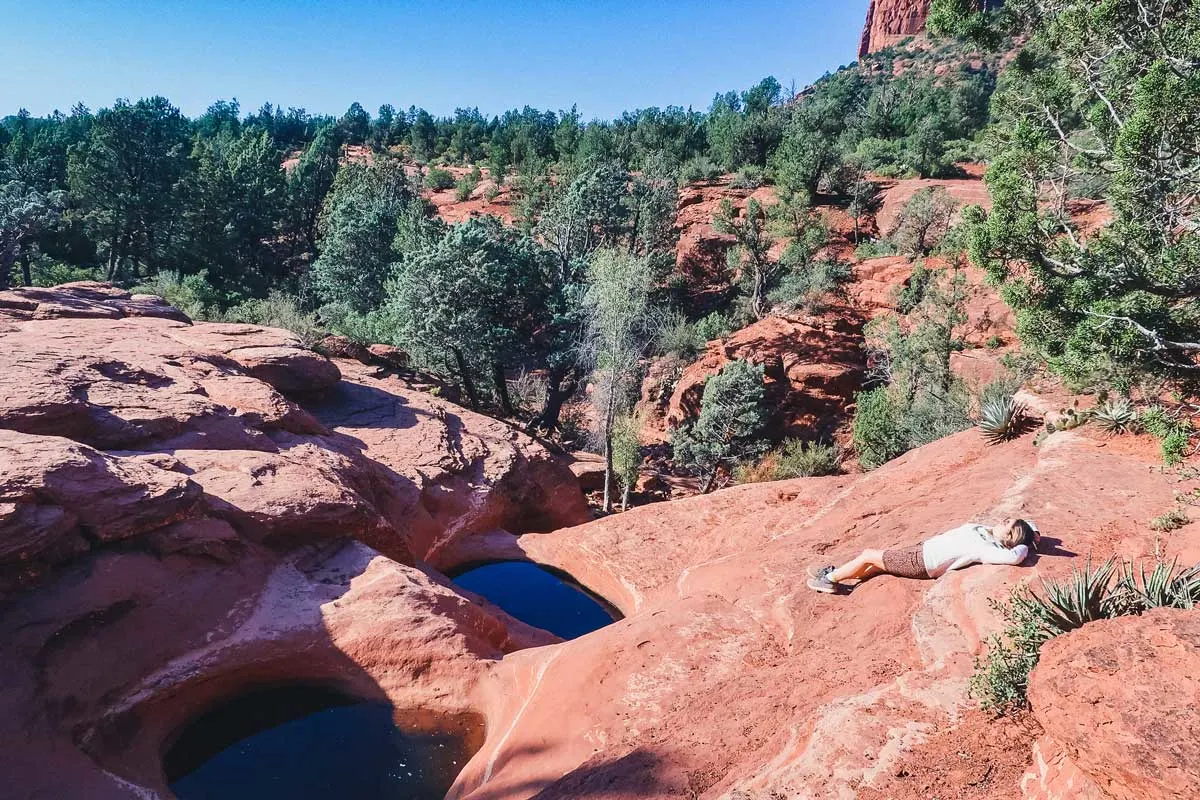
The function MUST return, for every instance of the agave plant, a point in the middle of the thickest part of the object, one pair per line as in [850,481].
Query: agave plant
[1163,587]
[1116,416]
[1001,419]
[1088,595]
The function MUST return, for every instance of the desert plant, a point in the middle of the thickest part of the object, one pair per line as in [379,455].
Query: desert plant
[1165,586]
[800,459]
[714,326]
[1001,676]
[1086,596]
[1170,431]
[491,192]
[527,391]
[699,168]
[1172,520]
[279,310]
[1001,419]
[437,178]
[1115,416]
[748,177]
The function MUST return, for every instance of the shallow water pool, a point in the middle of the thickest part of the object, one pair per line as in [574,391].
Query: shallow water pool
[538,597]
[301,743]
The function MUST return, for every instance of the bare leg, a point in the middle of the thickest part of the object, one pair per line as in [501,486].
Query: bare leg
[868,563]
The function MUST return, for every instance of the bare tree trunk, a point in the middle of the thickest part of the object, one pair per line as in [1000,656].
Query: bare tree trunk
[609,416]
[465,377]
[506,406]
[625,496]
[560,385]
[26,274]
[712,479]
[7,256]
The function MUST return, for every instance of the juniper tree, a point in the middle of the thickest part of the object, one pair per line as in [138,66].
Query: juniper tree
[1102,101]
[751,255]
[729,428]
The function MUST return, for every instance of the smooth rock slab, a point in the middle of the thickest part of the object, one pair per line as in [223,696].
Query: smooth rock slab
[1122,697]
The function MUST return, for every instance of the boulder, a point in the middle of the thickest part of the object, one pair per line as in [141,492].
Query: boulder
[813,366]
[1120,699]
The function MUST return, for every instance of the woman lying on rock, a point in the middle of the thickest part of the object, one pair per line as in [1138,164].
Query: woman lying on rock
[1008,543]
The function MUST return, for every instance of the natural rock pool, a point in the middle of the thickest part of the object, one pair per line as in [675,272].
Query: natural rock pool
[538,597]
[305,742]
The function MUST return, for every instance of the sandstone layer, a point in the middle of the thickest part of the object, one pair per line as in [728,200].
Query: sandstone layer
[176,529]
[889,21]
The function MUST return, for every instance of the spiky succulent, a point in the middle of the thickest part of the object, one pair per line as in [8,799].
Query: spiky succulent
[1001,419]
[1164,586]
[1087,595]
[1116,416]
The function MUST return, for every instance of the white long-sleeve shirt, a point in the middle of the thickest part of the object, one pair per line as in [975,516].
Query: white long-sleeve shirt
[965,545]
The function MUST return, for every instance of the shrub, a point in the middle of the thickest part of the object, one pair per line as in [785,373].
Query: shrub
[278,310]
[714,326]
[1173,520]
[795,458]
[799,459]
[748,177]
[924,221]
[1108,590]
[1172,433]
[1001,677]
[878,433]
[994,342]
[465,185]
[46,272]
[437,178]
[527,391]
[910,295]
[491,192]
[699,168]
[874,248]
[808,287]
[191,294]
[678,337]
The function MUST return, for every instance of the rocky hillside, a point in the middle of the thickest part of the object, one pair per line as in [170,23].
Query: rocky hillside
[187,510]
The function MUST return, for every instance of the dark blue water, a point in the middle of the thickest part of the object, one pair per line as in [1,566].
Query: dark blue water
[274,744]
[537,597]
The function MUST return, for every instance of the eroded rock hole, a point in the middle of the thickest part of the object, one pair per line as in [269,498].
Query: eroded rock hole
[538,596]
[310,742]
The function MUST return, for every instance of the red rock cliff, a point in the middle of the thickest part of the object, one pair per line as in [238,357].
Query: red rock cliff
[889,21]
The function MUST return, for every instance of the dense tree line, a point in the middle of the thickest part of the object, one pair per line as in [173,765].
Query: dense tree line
[318,223]
[145,189]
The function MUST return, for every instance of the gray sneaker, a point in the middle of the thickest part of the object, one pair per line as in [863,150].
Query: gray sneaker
[819,581]
[820,571]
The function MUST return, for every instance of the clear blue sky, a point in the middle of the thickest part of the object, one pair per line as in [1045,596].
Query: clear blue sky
[604,55]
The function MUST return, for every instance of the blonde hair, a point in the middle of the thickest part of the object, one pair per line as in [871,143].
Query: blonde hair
[1019,532]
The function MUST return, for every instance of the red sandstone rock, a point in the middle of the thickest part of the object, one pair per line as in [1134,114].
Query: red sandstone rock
[889,21]
[1122,700]
[727,679]
[813,367]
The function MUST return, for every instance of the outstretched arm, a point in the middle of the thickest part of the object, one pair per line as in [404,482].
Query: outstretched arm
[1011,556]
[992,555]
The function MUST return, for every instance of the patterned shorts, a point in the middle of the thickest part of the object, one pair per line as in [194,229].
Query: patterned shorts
[905,562]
